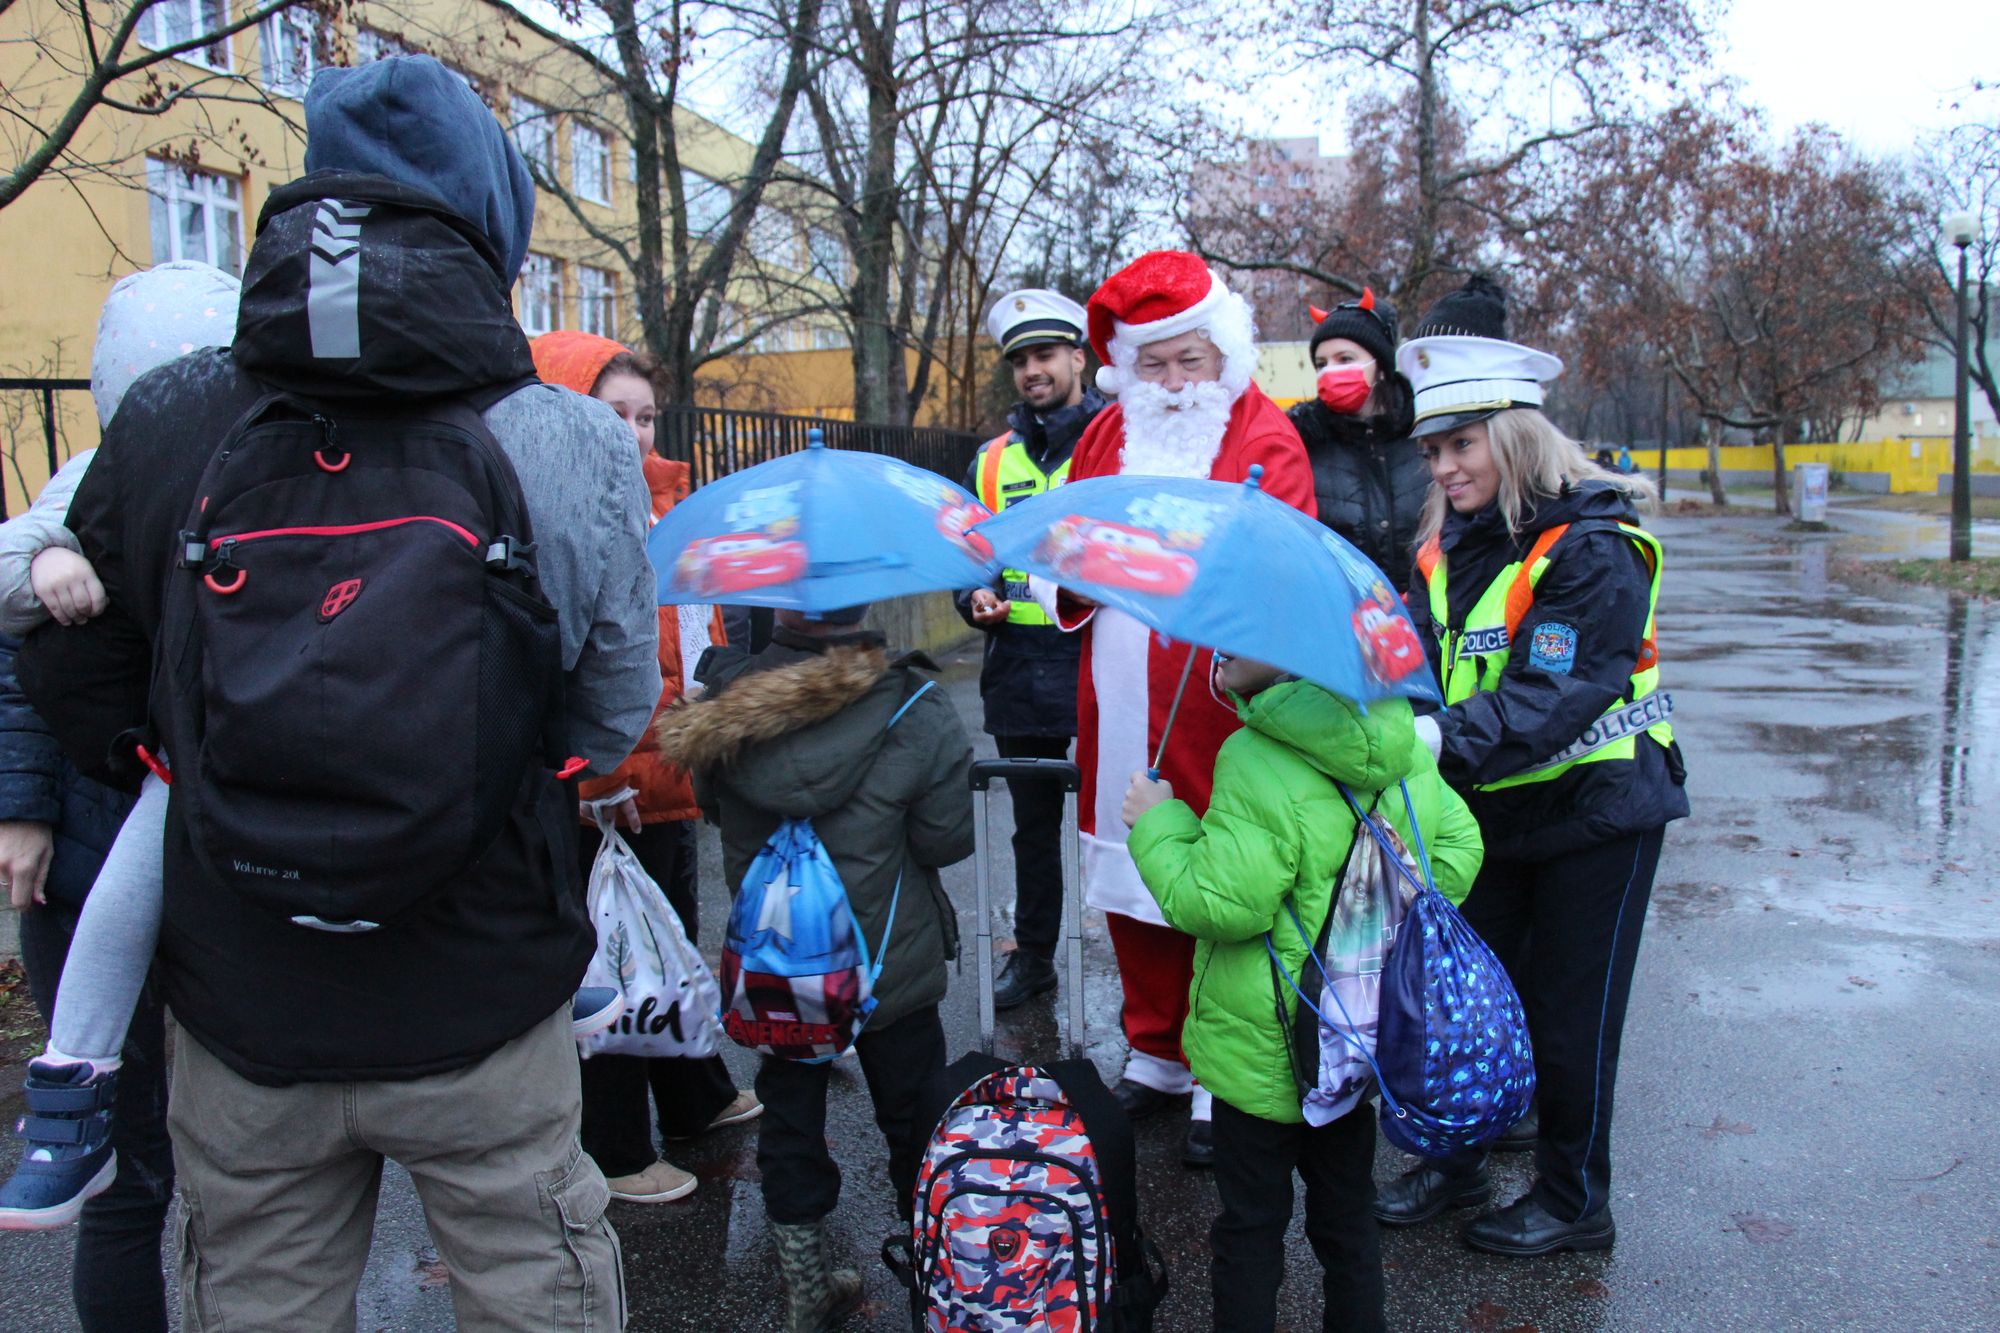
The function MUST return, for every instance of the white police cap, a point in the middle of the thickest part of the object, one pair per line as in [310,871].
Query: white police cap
[1458,380]
[1035,315]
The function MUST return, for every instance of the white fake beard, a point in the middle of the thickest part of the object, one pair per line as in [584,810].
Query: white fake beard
[1174,434]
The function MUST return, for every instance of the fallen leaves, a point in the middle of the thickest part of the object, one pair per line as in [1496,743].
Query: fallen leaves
[1760,1229]
[1714,1131]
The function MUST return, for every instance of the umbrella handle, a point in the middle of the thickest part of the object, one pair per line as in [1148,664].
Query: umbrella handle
[1153,772]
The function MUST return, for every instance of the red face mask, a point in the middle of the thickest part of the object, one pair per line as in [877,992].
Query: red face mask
[1345,388]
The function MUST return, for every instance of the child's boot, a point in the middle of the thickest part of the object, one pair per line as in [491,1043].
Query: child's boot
[68,1157]
[816,1294]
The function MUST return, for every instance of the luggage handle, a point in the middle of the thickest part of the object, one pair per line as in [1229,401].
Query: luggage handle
[981,777]
[984,771]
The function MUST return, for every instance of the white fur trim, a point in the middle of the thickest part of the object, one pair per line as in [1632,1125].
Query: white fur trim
[1150,1071]
[1120,650]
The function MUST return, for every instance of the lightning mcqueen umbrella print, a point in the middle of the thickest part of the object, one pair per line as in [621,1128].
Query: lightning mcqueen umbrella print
[819,530]
[1222,566]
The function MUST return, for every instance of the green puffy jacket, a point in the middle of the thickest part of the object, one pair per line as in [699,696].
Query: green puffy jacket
[1277,831]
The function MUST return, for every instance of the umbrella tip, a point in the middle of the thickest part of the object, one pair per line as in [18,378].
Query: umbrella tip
[1255,481]
[815,438]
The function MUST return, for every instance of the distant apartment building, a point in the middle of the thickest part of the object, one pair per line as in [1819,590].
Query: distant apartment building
[1254,204]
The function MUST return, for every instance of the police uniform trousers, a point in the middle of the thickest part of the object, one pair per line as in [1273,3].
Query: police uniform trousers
[1567,931]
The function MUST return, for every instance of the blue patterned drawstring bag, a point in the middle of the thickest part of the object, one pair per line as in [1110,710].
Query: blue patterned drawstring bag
[1452,1049]
[1451,1054]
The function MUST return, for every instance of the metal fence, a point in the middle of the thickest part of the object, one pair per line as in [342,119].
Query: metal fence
[43,391]
[715,442]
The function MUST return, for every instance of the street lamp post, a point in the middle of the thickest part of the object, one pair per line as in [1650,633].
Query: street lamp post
[1961,229]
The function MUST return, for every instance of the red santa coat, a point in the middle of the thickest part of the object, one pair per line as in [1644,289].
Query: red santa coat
[1126,682]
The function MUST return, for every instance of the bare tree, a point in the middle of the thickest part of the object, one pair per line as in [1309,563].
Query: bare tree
[701,291]
[1959,169]
[1437,190]
[131,61]
[934,132]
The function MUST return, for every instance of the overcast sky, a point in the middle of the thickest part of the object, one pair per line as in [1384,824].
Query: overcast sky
[1878,71]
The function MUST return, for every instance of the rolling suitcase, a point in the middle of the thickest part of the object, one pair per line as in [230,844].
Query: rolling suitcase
[984,772]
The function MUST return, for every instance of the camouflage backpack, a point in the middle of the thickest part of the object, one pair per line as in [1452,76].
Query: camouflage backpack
[1025,1214]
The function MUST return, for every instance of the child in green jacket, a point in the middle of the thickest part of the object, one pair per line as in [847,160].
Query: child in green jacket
[1277,831]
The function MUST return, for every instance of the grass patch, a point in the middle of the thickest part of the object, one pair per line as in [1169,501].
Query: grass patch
[1975,578]
[1983,506]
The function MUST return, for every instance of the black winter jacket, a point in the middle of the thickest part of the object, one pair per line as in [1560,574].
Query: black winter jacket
[1597,586]
[39,785]
[1028,678]
[481,962]
[1369,476]
[801,730]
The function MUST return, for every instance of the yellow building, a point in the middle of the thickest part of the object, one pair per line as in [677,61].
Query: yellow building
[188,183]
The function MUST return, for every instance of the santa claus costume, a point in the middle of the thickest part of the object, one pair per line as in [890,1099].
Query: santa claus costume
[1129,673]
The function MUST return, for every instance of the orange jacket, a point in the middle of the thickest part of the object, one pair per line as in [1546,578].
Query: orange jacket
[664,790]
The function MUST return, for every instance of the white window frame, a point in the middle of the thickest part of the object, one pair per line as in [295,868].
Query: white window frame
[202,17]
[828,251]
[169,187]
[590,163]
[708,203]
[597,301]
[533,129]
[541,293]
[372,44]
[289,51]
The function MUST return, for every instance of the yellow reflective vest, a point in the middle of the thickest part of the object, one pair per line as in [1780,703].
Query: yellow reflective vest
[1008,475]
[1472,658]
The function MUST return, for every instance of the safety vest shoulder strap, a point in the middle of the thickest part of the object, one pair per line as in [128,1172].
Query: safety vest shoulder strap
[1521,595]
[1428,555]
[991,455]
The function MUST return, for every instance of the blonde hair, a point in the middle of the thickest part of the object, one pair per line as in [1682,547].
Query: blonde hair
[1535,461]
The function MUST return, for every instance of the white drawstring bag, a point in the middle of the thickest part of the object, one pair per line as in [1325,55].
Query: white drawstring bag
[671,999]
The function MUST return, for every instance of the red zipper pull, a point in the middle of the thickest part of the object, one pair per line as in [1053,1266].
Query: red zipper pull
[158,769]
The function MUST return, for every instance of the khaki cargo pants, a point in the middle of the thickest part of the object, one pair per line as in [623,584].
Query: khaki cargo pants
[278,1190]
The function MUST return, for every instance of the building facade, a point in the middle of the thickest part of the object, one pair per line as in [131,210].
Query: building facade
[187,183]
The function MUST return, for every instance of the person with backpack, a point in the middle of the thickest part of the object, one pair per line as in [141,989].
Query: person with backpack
[1537,606]
[824,726]
[652,801]
[374,450]
[1278,833]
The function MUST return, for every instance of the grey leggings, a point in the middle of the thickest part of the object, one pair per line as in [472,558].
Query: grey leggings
[115,937]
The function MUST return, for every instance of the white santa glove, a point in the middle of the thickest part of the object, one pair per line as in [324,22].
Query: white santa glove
[1428,733]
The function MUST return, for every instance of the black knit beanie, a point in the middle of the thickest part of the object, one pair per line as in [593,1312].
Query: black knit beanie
[1374,329]
[1476,310]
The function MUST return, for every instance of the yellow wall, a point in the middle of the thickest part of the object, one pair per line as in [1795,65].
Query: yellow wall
[66,244]
[1913,465]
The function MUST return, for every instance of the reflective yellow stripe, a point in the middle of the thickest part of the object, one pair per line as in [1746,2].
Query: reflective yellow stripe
[1007,476]
[1474,656]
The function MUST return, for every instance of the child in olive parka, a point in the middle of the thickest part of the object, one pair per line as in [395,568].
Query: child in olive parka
[1277,832]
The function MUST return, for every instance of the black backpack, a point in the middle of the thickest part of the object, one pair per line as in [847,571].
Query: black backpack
[363,670]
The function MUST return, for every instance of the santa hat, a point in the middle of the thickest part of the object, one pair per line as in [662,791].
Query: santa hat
[1162,295]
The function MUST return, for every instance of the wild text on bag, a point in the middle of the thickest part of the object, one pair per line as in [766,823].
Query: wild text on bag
[644,953]
[1026,1212]
[360,645]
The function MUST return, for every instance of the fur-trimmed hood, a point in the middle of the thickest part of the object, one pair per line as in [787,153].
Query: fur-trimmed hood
[800,735]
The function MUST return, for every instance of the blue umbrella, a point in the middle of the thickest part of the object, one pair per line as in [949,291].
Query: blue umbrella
[1227,567]
[819,530]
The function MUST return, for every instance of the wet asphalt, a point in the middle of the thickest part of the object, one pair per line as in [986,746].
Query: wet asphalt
[1805,1136]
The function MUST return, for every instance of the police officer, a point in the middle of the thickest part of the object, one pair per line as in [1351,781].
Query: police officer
[1535,594]
[1028,681]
